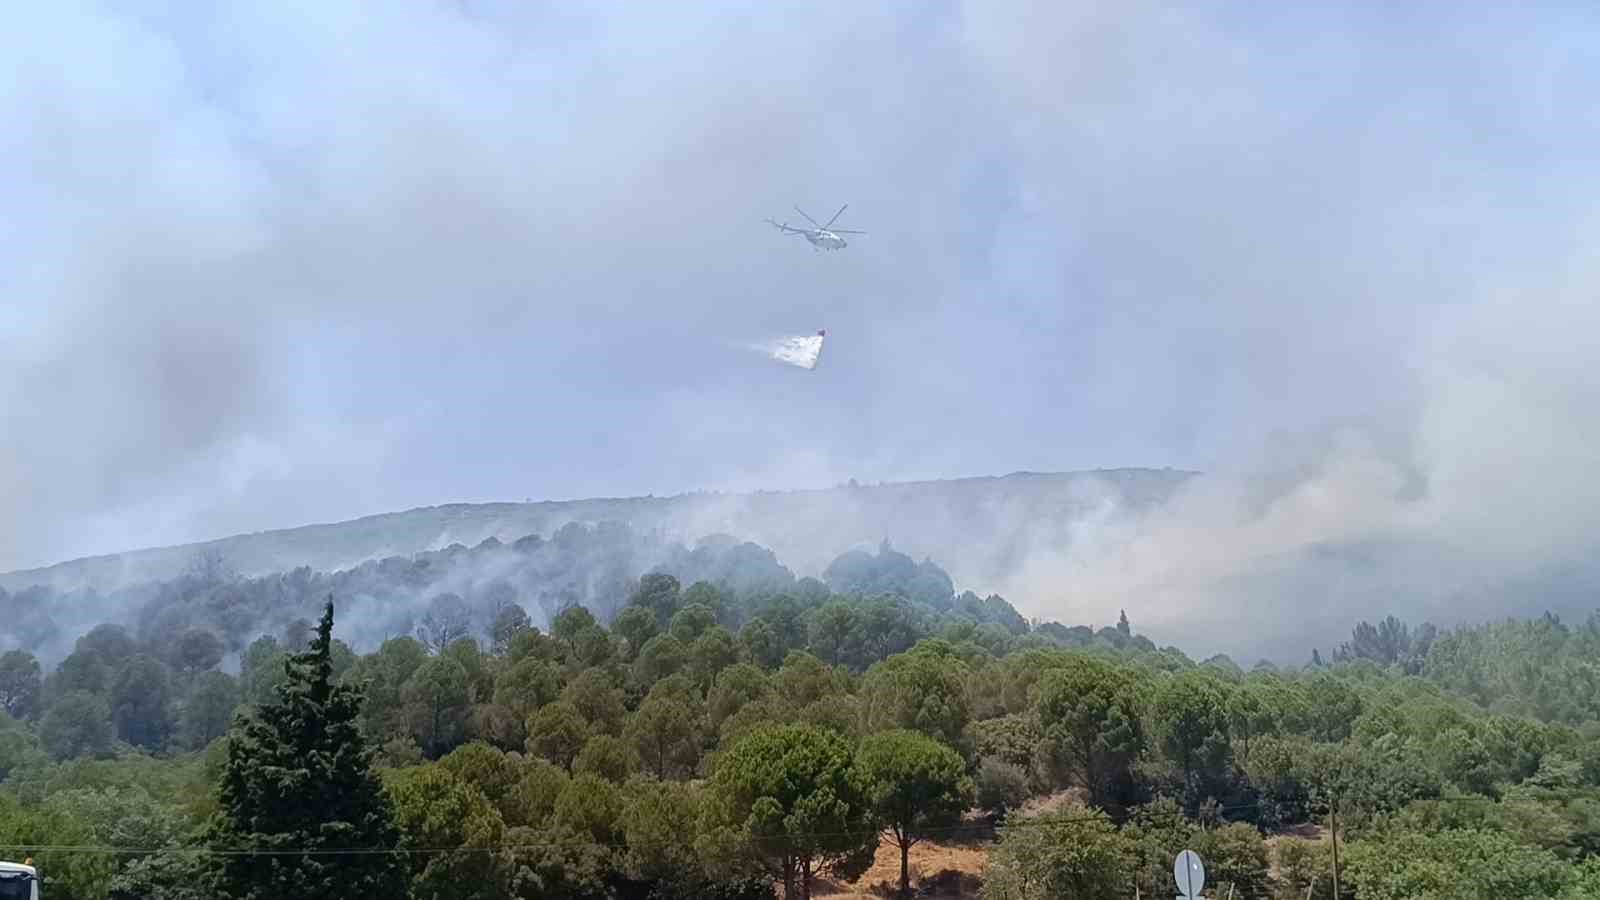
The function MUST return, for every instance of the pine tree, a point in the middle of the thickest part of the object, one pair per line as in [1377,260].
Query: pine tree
[298,784]
[1122,624]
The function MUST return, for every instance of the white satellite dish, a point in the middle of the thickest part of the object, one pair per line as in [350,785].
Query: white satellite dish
[1190,874]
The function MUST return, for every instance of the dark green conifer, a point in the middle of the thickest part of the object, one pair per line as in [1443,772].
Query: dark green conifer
[299,784]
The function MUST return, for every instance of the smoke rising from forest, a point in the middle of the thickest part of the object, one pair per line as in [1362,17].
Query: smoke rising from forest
[274,265]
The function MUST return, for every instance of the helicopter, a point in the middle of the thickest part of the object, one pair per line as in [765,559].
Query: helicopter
[822,237]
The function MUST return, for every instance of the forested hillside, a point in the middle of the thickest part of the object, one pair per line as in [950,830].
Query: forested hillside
[719,728]
[457,589]
[981,524]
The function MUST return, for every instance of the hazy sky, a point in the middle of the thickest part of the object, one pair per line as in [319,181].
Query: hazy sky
[266,264]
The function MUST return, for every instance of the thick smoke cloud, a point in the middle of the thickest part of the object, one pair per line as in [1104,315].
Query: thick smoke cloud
[295,262]
[1365,254]
[271,264]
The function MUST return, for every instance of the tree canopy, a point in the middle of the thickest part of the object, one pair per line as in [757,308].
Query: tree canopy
[790,798]
[298,781]
[600,714]
[913,785]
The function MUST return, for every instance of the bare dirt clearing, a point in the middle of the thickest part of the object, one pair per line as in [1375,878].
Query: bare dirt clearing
[937,870]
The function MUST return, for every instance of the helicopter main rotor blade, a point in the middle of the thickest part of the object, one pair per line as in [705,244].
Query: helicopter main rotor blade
[836,217]
[845,231]
[808,218]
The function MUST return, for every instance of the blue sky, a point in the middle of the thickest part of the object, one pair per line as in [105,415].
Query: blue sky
[265,264]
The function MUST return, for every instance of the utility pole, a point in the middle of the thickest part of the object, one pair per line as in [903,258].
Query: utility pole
[1333,823]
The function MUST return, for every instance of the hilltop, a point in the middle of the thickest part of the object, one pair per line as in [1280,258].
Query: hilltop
[981,525]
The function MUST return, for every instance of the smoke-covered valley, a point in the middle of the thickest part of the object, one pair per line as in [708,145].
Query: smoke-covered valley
[425,470]
[275,264]
[546,556]
[1193,559]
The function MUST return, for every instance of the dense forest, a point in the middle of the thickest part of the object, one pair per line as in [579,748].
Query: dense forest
[596,567]
[602,714]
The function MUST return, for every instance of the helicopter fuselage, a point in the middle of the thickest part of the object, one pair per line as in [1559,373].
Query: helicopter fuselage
[827,240]
[822,237]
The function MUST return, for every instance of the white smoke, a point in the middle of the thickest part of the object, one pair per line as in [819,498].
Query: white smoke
[279,263]
[802,351]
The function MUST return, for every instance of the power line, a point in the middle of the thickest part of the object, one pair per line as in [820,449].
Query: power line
[1043,819]
[498,848]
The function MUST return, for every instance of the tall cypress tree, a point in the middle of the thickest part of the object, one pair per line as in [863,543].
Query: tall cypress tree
[298,784]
